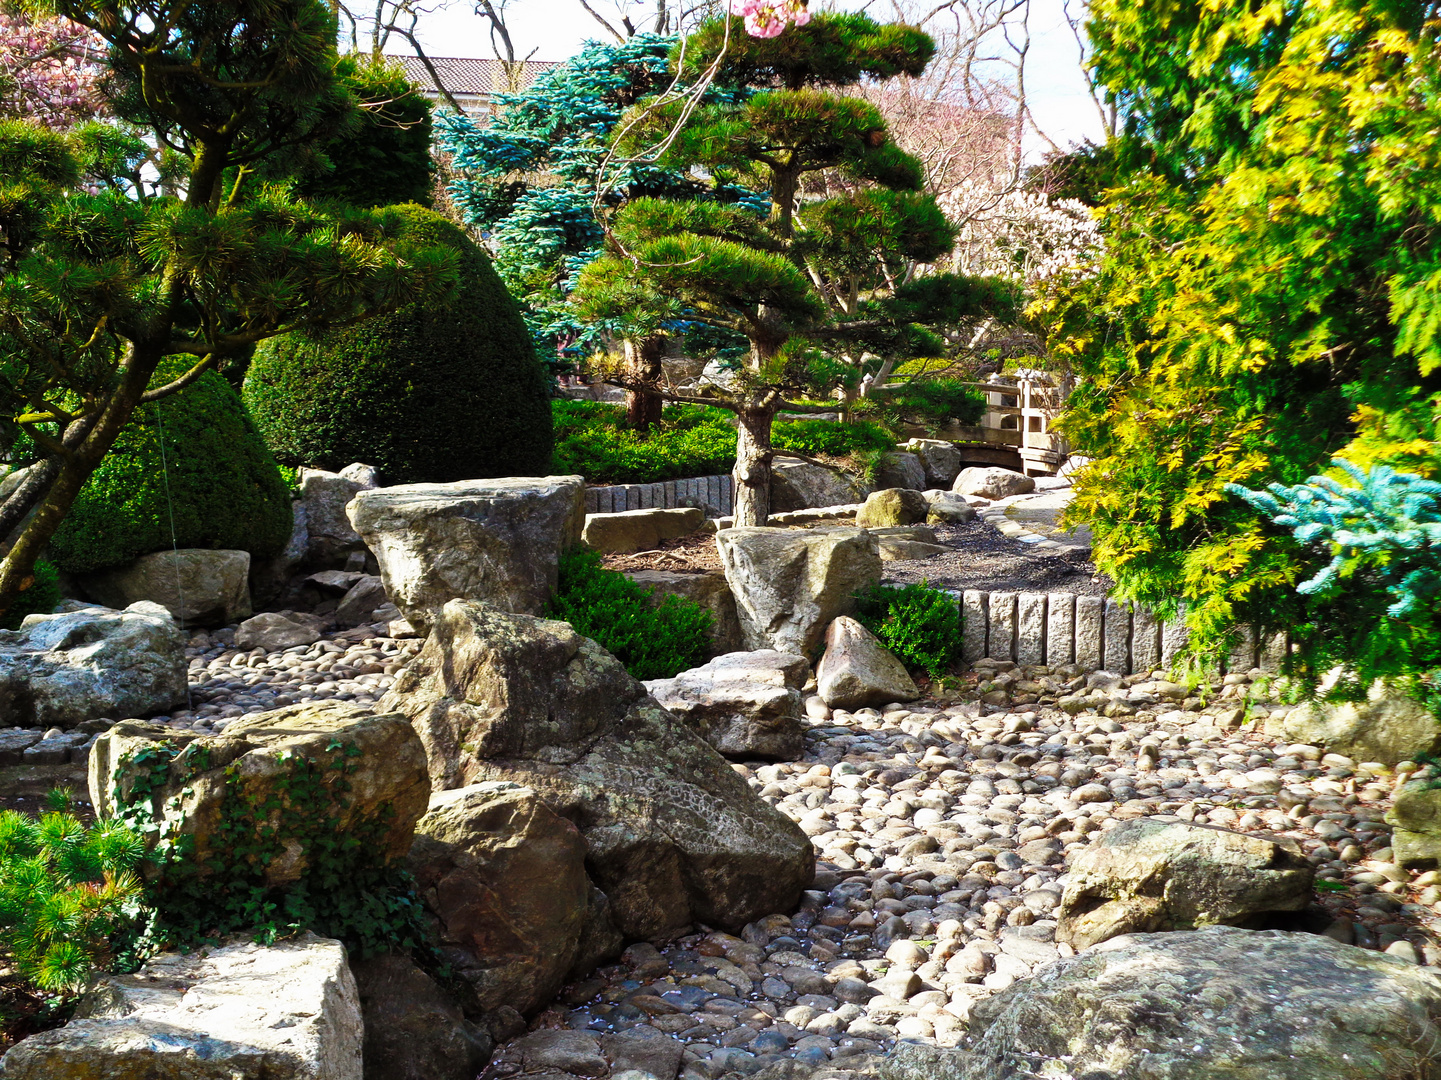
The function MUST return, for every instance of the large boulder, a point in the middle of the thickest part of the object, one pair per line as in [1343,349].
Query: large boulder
[241,1011]
[504,877]
[639,530]
[1415,818]
[62,670]
[1389,726]
[1217,1004]
[745,704]
[858,671]
[492,540]
[940,460]
[270,578]
[1155,875]
[674,836]
[275,631]
[890,507]
[990,482]
[901,470]
[361,600]
[790,583]
[370,769]
[324,495]
[413,1030]
[197,586]
[710,590]
[800,485]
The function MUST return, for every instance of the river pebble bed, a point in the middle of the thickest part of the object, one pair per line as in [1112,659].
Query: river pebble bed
[942,829]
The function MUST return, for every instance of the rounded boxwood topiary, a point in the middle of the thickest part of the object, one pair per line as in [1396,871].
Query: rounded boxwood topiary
[427,395]
[215,477]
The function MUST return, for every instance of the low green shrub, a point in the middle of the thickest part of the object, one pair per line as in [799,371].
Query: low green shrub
[692,440]
[919,624]
[37,598]
[654,640]
[213,481]
[69,895]
[929,401]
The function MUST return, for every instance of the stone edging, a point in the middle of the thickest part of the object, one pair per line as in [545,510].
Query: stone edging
[714,492]
[1094,632]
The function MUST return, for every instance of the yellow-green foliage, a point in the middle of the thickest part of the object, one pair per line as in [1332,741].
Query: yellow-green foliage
[1271,289]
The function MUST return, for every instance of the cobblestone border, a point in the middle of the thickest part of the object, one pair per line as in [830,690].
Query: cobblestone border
[1094,632]
[714,492]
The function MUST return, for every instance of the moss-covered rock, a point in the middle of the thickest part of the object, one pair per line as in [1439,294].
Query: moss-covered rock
[427,395]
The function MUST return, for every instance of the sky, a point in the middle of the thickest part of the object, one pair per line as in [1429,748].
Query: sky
[556,29]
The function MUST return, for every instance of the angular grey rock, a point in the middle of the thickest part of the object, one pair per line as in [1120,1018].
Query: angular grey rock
[325,495]
[639,530]
[789,584]
[893,506]
[858,671]
[388,785]
[710,590]
[1388,726]
[198,586]
[800,485]
[62,670]
[1154,875]
[600,940]
[13,745]
[413,1030]
[901,470]
[653,1058]
[367,476]
[912,1059]
[1217,1004]
[360,602]
[550,1049]
[274,631]
[745,704]
[270,577]
[492,540]
[288,1011]
[940,460]
[946,508]
[674,836]
[504,877]
[990,482]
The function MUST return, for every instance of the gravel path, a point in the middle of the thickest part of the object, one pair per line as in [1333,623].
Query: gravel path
[986,560]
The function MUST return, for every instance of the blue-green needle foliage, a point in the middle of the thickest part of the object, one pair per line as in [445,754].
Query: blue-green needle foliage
[1379,590]
[68,894]
[559,128]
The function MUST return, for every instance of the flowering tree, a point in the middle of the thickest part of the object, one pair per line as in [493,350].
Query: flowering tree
[49,71]
[767,18]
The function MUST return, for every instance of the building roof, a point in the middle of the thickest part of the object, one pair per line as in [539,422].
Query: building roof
[465,75]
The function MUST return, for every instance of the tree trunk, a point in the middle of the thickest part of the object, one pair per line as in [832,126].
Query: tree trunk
[752,474]
[643,362]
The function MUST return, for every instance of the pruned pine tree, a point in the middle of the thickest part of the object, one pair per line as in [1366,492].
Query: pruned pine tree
[818,289]
[104,278]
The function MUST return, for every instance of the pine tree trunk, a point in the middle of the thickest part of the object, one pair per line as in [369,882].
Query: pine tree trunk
[643,362]
[752,474]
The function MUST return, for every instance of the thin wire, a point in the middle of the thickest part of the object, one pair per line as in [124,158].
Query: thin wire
[174,543]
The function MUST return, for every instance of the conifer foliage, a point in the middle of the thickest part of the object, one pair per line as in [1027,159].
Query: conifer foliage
[103,278]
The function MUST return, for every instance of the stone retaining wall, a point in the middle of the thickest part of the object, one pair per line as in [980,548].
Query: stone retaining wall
[1098,633]
[714,492]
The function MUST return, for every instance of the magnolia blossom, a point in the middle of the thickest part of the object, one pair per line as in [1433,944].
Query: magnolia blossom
[49,71]
[767,18]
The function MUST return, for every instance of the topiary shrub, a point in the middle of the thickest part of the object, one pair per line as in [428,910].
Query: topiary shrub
[652,642]
[427,395]
[215,481]
[919,624]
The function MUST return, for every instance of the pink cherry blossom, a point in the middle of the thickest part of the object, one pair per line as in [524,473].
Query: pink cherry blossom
[768,18]
[49,71]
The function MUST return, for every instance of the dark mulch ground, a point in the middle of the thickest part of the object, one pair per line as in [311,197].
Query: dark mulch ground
[983,559]
[986,560]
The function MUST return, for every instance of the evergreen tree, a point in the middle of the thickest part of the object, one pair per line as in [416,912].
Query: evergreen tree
[1271,290]
[820,284]
[104,280]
